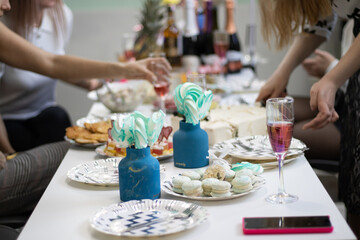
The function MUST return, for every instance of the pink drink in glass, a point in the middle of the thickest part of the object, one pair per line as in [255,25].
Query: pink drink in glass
[220,49]
[280,134]
[161,88]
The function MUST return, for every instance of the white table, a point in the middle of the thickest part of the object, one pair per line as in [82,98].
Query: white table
[66,207]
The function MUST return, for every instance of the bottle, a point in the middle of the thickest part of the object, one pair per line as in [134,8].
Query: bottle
[208,55]
[190,59]
[233,55]
[171,39]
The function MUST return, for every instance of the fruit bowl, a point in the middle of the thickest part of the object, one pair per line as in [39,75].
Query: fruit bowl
[122,96]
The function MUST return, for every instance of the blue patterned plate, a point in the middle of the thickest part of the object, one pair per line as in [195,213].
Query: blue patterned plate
[118,218]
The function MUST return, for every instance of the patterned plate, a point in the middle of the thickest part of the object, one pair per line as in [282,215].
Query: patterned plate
[256,148]
[103,172]
[168,188]
[116,218]
[100,150]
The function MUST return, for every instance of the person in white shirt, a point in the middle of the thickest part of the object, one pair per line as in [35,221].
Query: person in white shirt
[27,99]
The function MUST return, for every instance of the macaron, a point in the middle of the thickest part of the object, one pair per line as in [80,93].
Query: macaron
[191,174]
[192,188]
[246,172]
[215,171]
[221,189]
[178,181]
[207,185]
[241,184]
[229,175]
[200,171]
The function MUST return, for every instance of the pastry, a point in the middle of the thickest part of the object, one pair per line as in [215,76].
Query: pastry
[178,182]
[241,184]
[229,175]
[192,188]
[191,174]
[215,171]
[221,189]
[246,172]
[207,185]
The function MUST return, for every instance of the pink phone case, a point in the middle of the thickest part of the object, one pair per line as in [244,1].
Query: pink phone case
[286,230]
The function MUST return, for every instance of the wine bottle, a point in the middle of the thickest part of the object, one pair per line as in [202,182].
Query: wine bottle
[208,55]
[233,55]
[190,59]
[171,37]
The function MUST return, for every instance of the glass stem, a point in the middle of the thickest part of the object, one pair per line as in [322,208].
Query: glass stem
[280,157]
[162,103]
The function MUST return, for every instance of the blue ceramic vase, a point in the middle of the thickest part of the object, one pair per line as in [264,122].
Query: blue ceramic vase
[191,146]
[139,175]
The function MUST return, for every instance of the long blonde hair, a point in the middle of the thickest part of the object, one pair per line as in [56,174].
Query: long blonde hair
[284,18]
[24,14]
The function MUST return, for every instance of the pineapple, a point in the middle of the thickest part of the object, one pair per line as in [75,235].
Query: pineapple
[152,22]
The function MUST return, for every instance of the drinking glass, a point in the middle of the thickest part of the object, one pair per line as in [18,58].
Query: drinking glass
[128,41]
[280,122]
[161,84]
[198,79]
[221,45]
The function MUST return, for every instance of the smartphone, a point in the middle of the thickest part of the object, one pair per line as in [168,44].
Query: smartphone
[276,225]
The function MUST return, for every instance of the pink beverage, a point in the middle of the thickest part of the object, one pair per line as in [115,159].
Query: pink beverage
[129,54]
[220,49]
[161,88]
[280,134]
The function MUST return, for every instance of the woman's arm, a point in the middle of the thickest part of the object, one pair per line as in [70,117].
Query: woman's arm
[322,94]
[5,145]
[17,52]
[304,44]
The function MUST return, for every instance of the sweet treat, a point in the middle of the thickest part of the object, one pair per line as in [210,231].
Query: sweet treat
[246,172]
[215,171]
[191,174]
[229,175]
[221,189]
[84,135]
[178,182]
[192,188]
[163,145]
[256,168]
[241,184]
[207,185]
[200,171]
[226,122]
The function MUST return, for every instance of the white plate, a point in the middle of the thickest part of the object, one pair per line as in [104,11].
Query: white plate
[103,172]
[168,188]
[100,150]
[256,148]
[93,119]
[87,145]
[114,219]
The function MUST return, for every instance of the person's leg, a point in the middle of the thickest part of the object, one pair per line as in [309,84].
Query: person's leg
[50,125]
[25,177]
[354,223]
[20,135]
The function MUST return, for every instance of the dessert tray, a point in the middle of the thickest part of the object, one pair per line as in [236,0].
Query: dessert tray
[123,219]
[103,172]
[256,149]
[167,187]
[101,151]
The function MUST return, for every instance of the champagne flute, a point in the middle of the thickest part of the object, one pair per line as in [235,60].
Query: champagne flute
[198,79]
[280,123]
[221,45]
[162,84]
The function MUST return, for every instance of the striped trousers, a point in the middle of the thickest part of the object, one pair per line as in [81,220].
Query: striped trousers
[26,176]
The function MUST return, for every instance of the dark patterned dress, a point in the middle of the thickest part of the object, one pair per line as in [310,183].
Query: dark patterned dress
[349,172]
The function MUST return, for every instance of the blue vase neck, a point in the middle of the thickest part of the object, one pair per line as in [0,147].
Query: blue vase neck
[137,153]
[188,126]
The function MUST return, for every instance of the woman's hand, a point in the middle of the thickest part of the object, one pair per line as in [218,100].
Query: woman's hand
[322,98]
[274,87]
[142,69]
[317,65]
